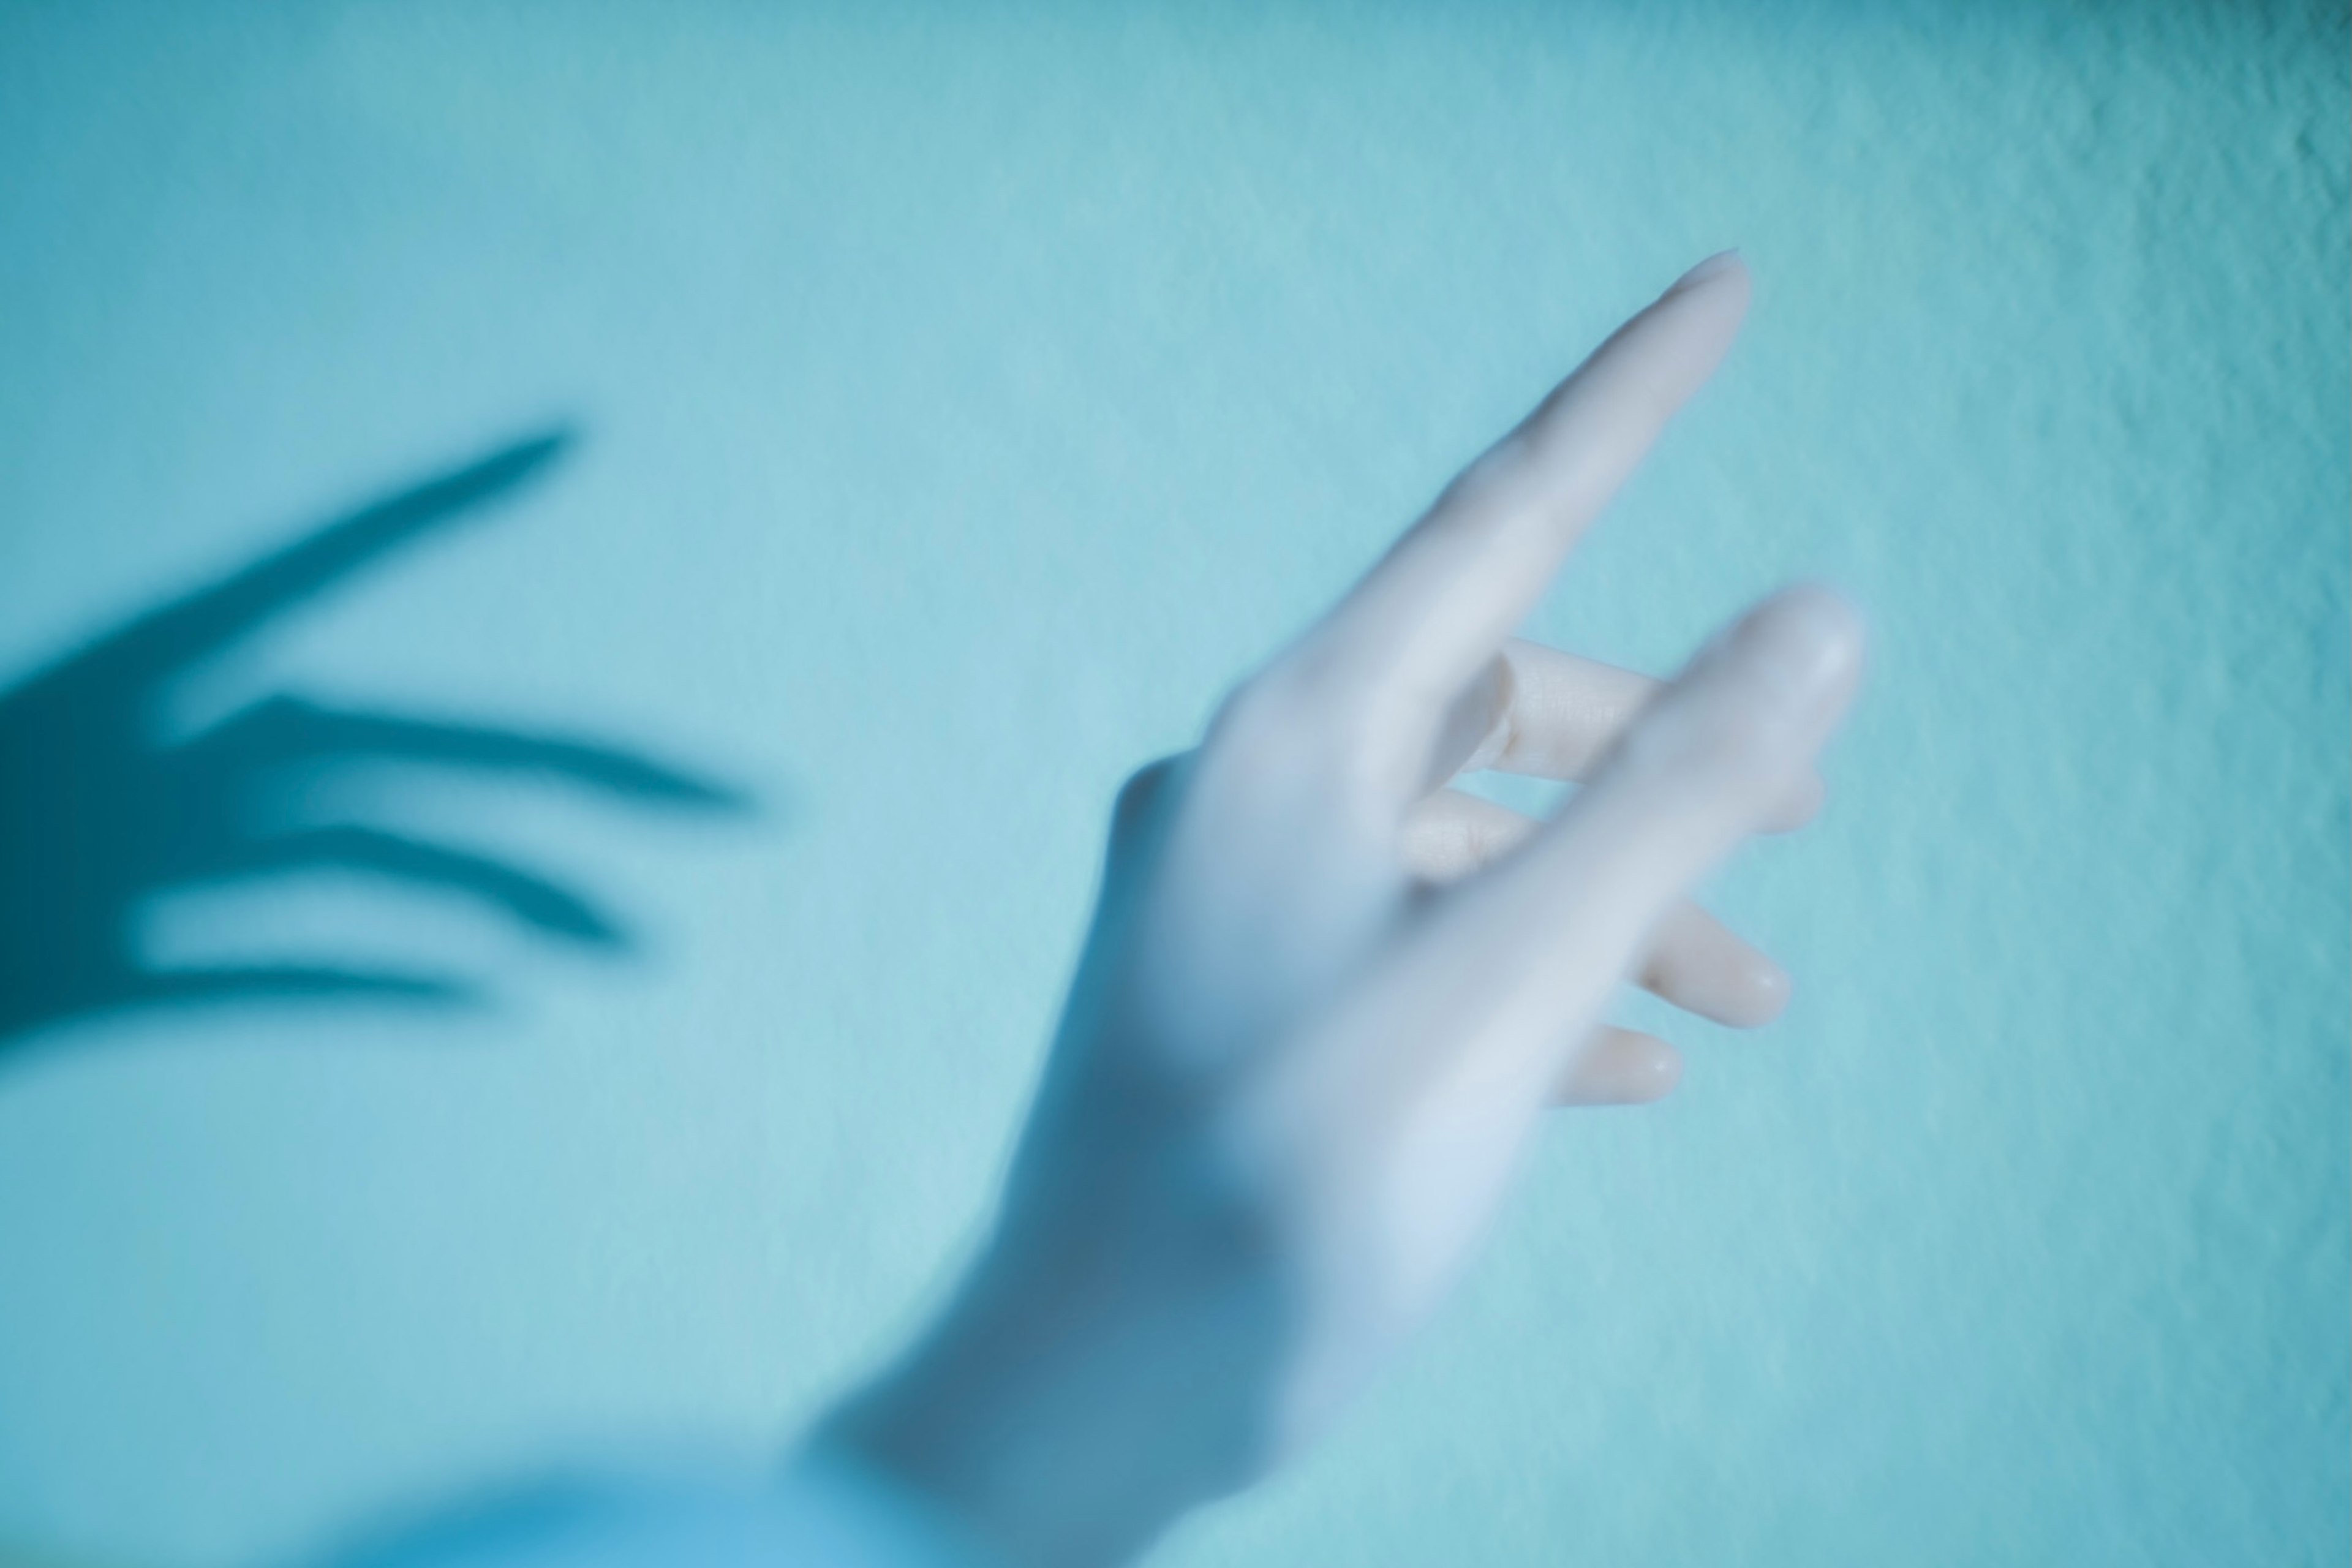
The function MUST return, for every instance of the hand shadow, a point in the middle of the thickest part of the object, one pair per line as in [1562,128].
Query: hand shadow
[99,812]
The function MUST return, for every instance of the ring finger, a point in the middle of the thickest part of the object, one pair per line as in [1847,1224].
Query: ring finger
[1693,960]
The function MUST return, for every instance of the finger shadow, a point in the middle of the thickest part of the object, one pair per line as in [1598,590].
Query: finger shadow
[102,810]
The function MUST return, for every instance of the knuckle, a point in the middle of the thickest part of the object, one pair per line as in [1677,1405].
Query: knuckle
[1271,726]
[1501,469]
[1258,707]
[1142,791]
[1142,788]
[1305,734]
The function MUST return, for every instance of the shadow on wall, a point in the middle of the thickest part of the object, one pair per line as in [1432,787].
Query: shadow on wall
[99,812]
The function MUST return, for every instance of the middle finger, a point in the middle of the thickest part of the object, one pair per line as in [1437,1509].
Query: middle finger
[1547,714]
[1694,961]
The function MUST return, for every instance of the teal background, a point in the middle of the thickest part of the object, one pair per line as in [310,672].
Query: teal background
[967,394]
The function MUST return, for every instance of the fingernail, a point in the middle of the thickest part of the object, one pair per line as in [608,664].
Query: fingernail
[1768,988]
[1808,641]
[1714,266]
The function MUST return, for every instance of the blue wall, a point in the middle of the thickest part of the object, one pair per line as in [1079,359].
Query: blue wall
[962,395]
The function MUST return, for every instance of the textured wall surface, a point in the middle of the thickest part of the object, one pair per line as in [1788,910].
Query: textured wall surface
[963,396]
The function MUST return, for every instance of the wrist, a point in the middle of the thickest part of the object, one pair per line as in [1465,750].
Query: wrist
[1074,1400]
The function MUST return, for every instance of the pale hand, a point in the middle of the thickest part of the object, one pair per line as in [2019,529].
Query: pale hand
[1323,1005]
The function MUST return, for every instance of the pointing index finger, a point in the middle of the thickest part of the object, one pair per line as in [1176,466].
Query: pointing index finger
[1426,618]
